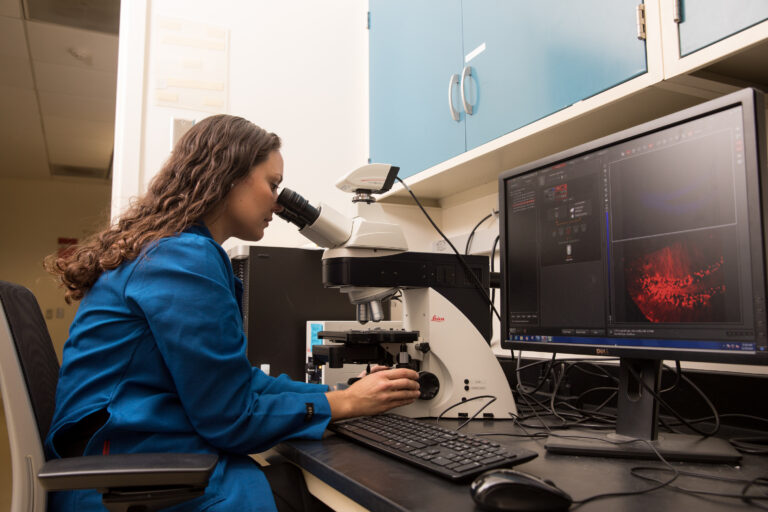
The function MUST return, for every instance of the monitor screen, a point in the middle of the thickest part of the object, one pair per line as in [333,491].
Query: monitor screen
[647,243]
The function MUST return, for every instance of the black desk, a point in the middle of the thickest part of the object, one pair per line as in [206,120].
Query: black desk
[382,484]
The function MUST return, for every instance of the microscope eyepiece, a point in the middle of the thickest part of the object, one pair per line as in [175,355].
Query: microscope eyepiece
[296,209]
[322,224]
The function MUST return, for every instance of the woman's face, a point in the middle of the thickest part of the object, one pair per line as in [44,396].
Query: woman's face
[250,204]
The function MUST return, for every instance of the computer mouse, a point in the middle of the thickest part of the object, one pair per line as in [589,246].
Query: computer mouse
[505,490]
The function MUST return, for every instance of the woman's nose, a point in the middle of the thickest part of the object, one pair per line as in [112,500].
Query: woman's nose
[277,207]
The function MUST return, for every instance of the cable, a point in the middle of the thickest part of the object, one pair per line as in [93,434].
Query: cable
[678,375]
[672,469]
[583,414]
[493,264]
[579,364]
[558,409]
[525,395]
[550,362]
[674,413]
[492,399]
[493,252]
[752,445]
[472,233]
[726,415]
[761,480]
[469,272]
[555,388]
[516,421]
[636,472]
[569,411]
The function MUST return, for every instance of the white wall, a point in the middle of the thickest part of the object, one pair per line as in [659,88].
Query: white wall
[298,68]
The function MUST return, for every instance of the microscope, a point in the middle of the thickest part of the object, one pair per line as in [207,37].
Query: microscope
[446,314]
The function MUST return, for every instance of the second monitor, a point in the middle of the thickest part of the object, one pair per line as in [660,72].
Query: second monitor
[648,244]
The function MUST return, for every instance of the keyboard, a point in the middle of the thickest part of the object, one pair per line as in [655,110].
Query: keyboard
[441,451]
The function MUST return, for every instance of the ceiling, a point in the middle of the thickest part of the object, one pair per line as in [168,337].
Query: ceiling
[58,75]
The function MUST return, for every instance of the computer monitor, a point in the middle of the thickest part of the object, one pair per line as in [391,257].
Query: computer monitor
[648,244]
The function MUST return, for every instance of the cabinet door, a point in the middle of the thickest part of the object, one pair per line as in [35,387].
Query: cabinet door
[703,22]
[532,58]
[415,47]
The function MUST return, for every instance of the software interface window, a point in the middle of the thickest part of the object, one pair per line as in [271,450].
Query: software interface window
[647,238]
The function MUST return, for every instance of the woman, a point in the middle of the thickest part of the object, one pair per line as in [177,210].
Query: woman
[156,361]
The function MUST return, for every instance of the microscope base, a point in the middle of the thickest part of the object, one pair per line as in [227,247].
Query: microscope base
[459,357]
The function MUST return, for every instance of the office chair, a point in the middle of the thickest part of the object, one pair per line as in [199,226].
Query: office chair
[29,371]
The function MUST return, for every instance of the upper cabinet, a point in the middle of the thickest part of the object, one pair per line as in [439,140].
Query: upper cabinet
[464,90]
[530,59]
[415,56]
[716,39]
[447,76]
[704,22]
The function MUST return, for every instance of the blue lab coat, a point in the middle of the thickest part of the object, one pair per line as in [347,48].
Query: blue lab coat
[158,342]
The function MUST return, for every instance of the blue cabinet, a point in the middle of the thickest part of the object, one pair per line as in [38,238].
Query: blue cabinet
[518,61]
[540,57]
[415,48]
[704,22]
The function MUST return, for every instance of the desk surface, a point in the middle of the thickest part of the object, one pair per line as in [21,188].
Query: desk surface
[382,484]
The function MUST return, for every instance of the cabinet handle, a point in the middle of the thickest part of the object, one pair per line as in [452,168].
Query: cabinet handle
[676,11]
[454,80]
[467,71]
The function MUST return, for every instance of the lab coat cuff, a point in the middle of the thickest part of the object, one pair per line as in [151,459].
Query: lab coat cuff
[317,413]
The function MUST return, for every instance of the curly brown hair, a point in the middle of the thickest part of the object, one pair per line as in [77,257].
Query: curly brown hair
[205,164]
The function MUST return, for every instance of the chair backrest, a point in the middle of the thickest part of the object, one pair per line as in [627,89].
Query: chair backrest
[29,371]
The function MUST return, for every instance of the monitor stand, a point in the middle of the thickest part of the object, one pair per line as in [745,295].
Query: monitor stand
[637,427]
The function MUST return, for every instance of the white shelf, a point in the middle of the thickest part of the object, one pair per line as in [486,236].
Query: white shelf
[475,173]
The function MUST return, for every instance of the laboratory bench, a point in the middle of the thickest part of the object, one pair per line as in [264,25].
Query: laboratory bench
[351,477]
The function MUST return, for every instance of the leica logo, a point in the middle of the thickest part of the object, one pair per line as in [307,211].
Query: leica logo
[436,318]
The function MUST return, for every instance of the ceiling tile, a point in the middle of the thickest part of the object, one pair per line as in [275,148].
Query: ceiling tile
[13,43]
[75,81]
[21,135]
[14,57]
[67,46]
[77,107]
[79,143]
[100,15]
[10,8]
[16,73]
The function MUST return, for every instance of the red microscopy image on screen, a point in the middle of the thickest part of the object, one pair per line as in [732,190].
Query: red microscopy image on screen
[677,284]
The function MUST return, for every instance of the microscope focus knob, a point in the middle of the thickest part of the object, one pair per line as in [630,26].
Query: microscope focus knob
[429,385]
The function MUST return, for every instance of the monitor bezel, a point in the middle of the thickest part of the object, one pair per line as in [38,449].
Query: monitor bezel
[753,105]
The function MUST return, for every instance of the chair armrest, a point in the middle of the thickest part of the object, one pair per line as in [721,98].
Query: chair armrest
[146,470]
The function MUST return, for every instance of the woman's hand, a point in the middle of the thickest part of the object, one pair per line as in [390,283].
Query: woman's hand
[373,369]
[375,393]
